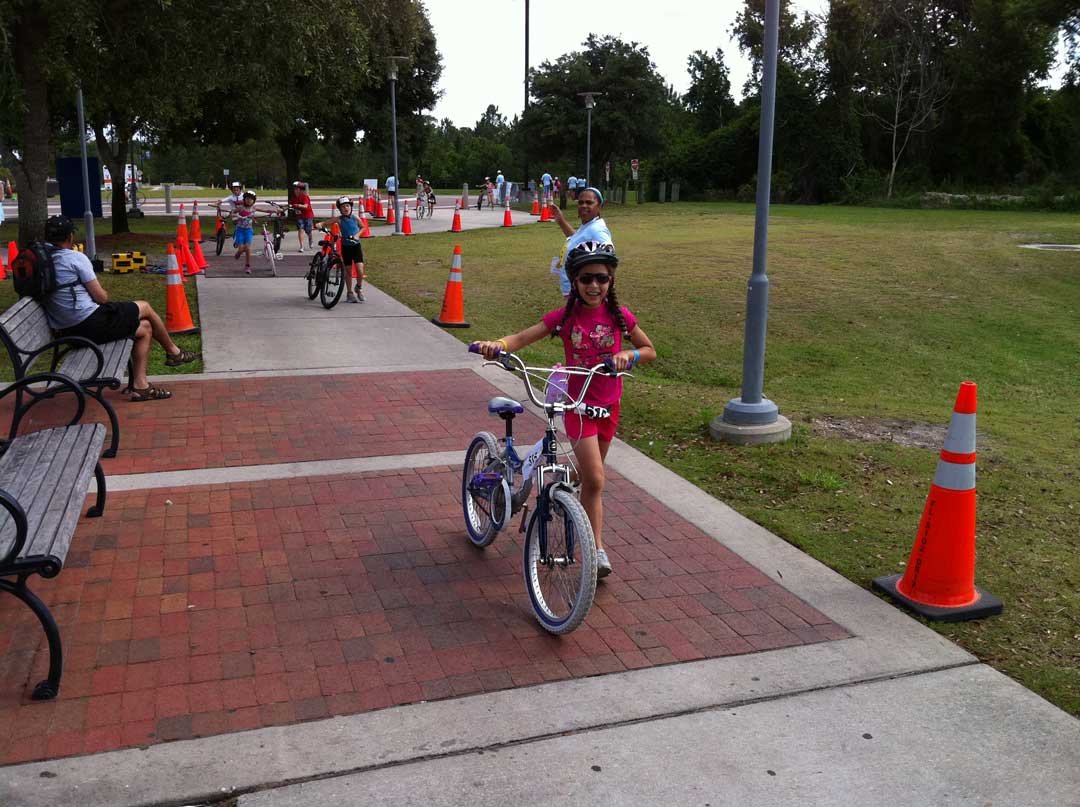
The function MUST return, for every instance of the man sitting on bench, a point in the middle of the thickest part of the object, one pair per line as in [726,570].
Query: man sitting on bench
[80,306]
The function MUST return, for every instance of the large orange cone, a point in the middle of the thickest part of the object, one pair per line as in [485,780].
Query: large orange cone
[939,582]
[190,266]
[507,221]
[335,228]
[379,212]
[12,251]
[545,213]
[365,230]
[177,314]
[536,205]
[406,222]
[369,204]
[455,227]
[196,239]
[390,219]
[453,304]
[3,272]
[196,225]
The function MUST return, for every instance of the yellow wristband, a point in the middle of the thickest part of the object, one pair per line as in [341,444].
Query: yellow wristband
[505,347]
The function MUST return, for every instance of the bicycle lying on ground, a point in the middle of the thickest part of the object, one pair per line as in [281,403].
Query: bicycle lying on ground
[559,548]
[326,272]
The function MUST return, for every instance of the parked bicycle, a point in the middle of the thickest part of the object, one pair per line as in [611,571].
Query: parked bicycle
[326,272]
[270,252]
[559,549]
[222,231]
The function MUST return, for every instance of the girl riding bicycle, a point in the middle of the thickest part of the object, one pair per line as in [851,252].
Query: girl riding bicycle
[351,250]
[592,327]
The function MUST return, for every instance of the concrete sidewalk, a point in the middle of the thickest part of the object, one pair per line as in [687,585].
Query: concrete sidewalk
[893,713]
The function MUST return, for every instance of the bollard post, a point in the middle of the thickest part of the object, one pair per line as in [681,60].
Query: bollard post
[661,195]
[674,191]
[168,197]
[464,195]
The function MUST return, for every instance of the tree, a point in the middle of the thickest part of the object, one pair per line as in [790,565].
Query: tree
[709,96]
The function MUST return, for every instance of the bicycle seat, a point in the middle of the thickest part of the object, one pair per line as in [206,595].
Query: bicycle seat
[499,405]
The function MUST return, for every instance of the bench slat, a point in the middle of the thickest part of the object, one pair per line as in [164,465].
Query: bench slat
[32,331]
[48,473]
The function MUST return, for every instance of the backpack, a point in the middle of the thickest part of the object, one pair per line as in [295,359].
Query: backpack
[34,272]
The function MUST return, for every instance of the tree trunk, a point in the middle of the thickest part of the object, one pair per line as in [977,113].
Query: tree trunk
[114,160]
[29,35]
[291,144]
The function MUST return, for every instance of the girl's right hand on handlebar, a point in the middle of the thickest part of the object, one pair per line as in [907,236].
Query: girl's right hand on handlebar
[489,350]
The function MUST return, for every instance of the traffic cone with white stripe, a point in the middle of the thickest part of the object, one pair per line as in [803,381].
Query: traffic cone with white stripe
[453,306]
[455,227]
[536,205]
[390,216]
[365,229]
[196,240]
[190,267]
[406,222]
[507,221]
[545,212]
[177,314]
[939,582]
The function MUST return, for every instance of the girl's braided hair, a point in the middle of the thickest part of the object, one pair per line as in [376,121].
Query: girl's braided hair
[591,252]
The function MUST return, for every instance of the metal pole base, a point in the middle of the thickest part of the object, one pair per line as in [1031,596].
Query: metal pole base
[750,424]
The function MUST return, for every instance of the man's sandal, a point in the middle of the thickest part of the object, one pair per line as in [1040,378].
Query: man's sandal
[150,393]
[183,357]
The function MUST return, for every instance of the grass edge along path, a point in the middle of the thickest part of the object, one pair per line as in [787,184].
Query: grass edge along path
[876,316]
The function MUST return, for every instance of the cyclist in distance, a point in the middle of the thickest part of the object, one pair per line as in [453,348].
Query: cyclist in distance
[351,250]
[593,328]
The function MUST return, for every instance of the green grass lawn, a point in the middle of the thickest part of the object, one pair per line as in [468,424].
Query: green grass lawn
[149,235]
[874,314]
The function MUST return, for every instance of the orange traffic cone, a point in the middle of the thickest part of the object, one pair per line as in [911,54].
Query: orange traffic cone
[200,258]
[536,205]
[196,225]
[369,204]
[335,228]
[12,251]
[3,273]
[191,267]
[390,219]
[177,314]
[507,221]
[365,230]
[455,227]
[545,212]
[196,239]
[406,222]
[939,582]
[453,305]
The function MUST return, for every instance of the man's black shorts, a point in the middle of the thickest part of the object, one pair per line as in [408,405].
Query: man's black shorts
[112,321]
[351,251]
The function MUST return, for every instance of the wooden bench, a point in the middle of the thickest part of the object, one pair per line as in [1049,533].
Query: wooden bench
[25,332]
[44,479]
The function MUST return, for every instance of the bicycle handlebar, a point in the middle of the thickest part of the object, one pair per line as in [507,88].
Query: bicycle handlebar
[511,363]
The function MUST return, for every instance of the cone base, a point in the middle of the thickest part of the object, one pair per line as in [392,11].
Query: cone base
[986,604]
[185,331]
[442,324]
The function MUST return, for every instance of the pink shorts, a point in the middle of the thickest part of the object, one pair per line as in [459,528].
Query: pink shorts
[578,426]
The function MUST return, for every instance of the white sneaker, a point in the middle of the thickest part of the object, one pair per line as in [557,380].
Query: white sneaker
[359,295]
[351,298]
[302,250]
[603,565]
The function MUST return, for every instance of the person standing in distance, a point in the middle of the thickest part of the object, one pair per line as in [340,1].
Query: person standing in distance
[391,191]
[590,207]
[500,184]
[545,180]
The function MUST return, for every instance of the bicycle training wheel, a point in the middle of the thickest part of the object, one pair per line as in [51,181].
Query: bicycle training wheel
[485,494]
[560,563]
[220,239]
[313,276]
[333,282]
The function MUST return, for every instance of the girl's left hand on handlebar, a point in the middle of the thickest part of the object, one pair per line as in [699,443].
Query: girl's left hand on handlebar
[623,360]
[489,350]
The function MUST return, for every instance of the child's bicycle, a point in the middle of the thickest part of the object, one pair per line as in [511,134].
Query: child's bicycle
[559,549]
[222,231]
[269,252]
[326,272]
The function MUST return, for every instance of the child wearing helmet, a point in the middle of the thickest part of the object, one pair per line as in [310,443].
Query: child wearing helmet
[351,250]
[593,328]
[245,228]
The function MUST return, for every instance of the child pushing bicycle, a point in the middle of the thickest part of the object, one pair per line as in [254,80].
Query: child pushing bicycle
[351,250]
[593,327]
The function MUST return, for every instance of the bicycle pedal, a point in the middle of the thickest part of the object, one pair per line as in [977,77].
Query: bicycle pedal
[524,517]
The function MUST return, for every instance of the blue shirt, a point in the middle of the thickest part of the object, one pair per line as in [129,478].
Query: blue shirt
[68,307]
[391,184]
[349,227]
[595,230]
[500,180]
[546,179]
[571,183]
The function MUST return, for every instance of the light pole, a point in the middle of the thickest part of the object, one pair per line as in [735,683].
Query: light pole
[752,418]
[392,73]
[88,214]
[589,104]
[525,108]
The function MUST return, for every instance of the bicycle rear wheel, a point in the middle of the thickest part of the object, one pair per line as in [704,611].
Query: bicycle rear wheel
[220,236]
[560,562]
[485,495]
[314,276]
[279,234]
[333,282]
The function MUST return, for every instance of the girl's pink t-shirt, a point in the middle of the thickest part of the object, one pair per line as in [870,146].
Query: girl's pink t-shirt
[589,336]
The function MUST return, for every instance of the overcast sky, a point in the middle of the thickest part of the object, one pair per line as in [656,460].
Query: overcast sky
[483,43]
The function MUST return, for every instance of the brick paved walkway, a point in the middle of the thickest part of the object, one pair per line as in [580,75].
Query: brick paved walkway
[268,603]
[255,421]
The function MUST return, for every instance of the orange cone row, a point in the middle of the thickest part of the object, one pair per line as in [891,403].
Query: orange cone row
[453,307]
[177,314]
[939,580]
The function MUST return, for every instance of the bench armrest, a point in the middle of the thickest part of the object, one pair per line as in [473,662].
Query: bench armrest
[18,515]
[50,378]
[71,342]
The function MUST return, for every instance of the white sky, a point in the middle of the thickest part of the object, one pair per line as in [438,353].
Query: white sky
[483,43]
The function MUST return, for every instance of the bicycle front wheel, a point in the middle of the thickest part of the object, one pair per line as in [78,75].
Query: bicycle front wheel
[333,282]
[313,276]
[220,240]
[560,562]
[484,491]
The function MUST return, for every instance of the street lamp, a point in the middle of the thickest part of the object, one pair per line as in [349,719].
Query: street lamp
[589,104]
[392,74]
[752,418]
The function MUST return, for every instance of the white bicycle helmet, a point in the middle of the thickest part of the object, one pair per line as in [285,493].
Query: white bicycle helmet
[235,185]
[254,198]
[344,200]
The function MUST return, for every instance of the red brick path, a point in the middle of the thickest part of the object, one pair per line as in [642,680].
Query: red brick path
[259,604]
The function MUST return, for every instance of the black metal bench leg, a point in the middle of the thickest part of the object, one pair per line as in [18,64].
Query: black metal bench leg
[114,422]
[50,687]
[99,505]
